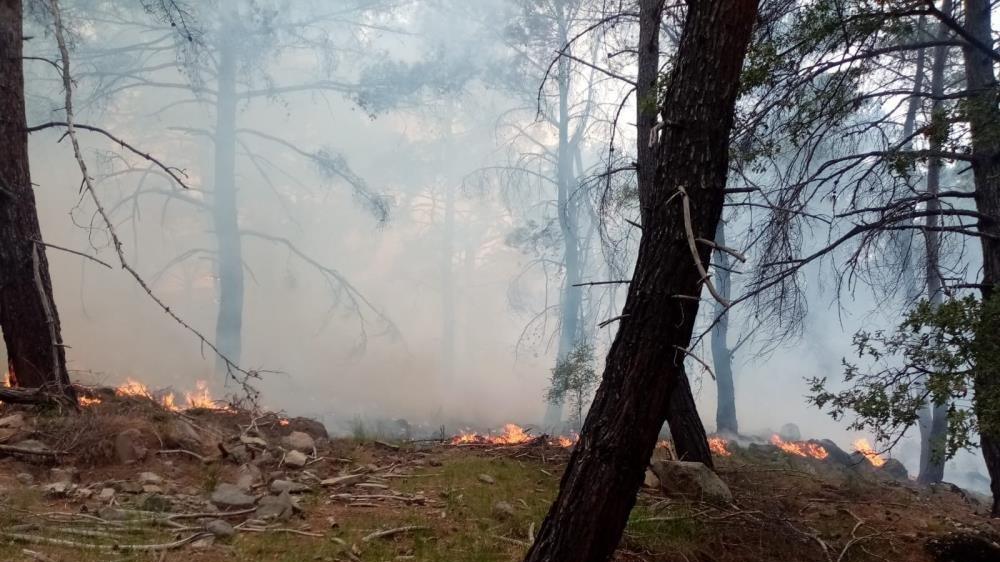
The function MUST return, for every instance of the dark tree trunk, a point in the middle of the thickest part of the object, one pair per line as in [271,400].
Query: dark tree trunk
[28,316]
[686,429]
[646,360]
[983,115]
[225,210]
[934,418]
[722,357]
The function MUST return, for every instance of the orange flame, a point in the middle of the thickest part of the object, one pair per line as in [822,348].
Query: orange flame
[865,448]
[6,380]
[88,401]
[800,448]
[512,434]
[719,446]
[283,422]
[201,398]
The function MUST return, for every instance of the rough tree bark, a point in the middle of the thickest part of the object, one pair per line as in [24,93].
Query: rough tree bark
[28,316]
[646,360]
[983,116]
[225,210]
[722,357]
[686,429]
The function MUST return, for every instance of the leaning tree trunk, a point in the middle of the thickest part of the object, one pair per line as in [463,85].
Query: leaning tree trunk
[934,417]
[984,124]
[722,357]
[225,211]
[686,429]
[28,315]
[683,185]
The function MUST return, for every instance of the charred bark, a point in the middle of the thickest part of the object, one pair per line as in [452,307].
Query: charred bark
[686,429]
[28,316]
[646,360]
[983,115]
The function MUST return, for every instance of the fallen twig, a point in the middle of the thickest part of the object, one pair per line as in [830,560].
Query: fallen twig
[34,539]
[391,532]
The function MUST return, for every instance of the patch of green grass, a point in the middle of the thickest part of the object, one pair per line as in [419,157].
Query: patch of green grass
[661,531]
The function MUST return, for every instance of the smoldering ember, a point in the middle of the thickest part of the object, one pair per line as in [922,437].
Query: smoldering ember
[499,280]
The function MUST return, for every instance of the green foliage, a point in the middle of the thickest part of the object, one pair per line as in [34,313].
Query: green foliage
[934,356]
[574,380]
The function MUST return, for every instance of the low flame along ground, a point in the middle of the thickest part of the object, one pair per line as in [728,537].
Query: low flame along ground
[200,398]
[512,434]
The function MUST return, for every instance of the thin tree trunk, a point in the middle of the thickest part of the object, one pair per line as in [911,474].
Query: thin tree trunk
[448,288]
[645,362]
[570,304]
[686,429]
[934,438]
[722,357]
[983,116]
[28,316]
[225,210]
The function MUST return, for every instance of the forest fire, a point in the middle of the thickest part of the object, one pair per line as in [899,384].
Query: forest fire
[865,448]
[719,446]
[512,434]
[199,399]
[800,448]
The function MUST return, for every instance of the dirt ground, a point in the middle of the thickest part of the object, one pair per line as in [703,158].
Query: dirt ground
[431,501]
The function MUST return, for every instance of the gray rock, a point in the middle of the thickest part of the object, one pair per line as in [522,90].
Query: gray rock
[895,469]
[503,510]
[692,480]
[299,441]
[63,475]
[278,507]
[33,445]
[790,432]
[129,447]
[650,480]
[150,478]
[13,421]
[220,528]
[248,476]
[129,487]
[25,478]
[296,459]
[229,495]
[151,489]
[57,489]
[279,486]
[106,495]
[487,479]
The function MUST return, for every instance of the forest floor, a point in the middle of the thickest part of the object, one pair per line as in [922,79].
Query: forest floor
[109,482]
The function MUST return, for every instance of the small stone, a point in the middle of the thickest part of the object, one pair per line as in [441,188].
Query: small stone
[248,476]
[33,445]
[230,495]
[106,495]
[651,480]
[220,528]
[84,493]
[204,542]
[251,440]
[296,459]
[487,479]
[692,479]
[332,522]
[152,489]
[299,441]
[112,514]
[63,475]
[57,489]
[129,487]
[503,510]
[150,478]
[25,478]
[279,486]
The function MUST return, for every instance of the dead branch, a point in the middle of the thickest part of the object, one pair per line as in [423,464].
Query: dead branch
[81,254]
[35,539]
[183,452]
[612,320]
[281,530]
[14,449]
[68,124]
[88,185]
[712,243]
[391,532]
[698,359]
[36,555]
[686,206]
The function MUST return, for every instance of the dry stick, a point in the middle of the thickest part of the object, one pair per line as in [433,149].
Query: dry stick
[36,555]
[89,186]
[34,539]
[712,243]
[698,359]
[26,451]
[81,254]
[183,452]
[390,532]
[686,206]
[281,530]
[68,124]
[50,321]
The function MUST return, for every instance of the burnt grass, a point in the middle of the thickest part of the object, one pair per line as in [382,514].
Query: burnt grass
[472,504]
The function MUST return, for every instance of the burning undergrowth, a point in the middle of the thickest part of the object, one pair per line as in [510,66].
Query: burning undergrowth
[513,434]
